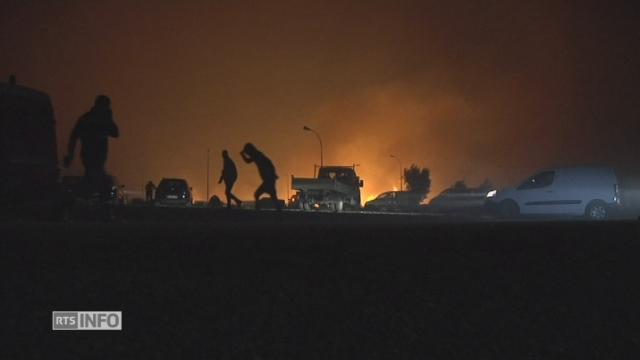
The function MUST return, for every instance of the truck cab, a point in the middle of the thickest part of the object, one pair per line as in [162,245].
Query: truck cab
[343,174]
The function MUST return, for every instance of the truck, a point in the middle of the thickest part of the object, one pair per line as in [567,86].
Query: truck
[335,188]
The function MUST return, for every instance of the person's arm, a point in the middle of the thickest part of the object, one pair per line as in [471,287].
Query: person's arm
[221,177]
[246,158]
[112,129]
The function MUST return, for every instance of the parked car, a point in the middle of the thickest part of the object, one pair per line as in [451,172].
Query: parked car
[395,201]
[173,192]
[76,189]
[580,191]
[460,198]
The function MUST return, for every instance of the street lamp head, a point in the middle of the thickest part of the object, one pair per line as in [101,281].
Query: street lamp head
[306,128]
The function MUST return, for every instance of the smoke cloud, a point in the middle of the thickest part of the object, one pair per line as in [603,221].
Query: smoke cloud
[471,90]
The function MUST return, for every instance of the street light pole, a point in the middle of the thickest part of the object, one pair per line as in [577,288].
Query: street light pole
[208,167]
[399,164]
[306,128]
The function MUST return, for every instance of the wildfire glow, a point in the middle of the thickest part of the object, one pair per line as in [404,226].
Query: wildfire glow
[441,97]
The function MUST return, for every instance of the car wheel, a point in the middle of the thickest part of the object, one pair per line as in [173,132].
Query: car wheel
[508,209]
[597,210]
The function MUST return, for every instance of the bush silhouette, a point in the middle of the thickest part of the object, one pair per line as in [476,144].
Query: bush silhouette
[417,180]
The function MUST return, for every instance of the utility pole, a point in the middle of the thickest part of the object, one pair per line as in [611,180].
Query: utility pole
[208,167]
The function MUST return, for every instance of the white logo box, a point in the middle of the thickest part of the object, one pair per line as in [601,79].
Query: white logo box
[86,320]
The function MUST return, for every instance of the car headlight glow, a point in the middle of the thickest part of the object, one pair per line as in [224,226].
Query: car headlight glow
[492,193]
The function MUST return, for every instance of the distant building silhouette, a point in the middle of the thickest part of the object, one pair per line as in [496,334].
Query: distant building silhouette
[229,176]
[250,154]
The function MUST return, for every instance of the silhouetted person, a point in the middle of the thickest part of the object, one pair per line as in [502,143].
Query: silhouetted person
[12,79]
[149,189]
[229,176]
[267,172]
[93,129]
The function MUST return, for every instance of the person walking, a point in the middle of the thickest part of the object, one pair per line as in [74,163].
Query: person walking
[93,129]
[250,154]
[149,190]
[229,176]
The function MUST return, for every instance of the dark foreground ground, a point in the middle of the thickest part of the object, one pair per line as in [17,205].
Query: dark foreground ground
[263,287]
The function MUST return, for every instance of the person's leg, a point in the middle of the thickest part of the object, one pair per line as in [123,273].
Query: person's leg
[89,181]
[227,193]
[232,196]
[259,191]
[94,172]
[274,196]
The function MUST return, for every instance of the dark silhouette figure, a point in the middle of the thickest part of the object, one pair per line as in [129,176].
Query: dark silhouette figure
[229,176]
[267,172]
[93,129]
[149,189]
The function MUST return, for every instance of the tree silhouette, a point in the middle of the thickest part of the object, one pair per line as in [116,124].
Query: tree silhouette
[417,180]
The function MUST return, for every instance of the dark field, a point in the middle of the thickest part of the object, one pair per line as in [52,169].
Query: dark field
[325,286]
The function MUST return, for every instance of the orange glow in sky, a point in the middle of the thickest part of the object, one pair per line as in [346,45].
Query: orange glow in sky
[470,90]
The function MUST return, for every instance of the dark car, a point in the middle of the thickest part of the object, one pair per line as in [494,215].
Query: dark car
[77,190]
[395,201]
[173,192]
[460,198]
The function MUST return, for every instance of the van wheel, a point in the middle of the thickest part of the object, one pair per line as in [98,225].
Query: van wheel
[508,209]
[597,210]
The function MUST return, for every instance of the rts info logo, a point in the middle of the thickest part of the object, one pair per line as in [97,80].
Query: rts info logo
[87,320]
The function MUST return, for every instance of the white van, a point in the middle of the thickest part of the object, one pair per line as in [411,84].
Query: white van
[581,191]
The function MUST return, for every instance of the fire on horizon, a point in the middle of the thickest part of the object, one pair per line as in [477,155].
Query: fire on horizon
[469,90]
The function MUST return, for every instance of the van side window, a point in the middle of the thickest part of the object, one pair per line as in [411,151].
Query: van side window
[538,181]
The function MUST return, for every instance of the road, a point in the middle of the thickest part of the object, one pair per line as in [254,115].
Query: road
[247,285]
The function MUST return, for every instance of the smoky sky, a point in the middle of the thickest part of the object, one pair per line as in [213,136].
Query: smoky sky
[469,89]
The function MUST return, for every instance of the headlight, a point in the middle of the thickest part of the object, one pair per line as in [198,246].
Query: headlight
[492,193]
